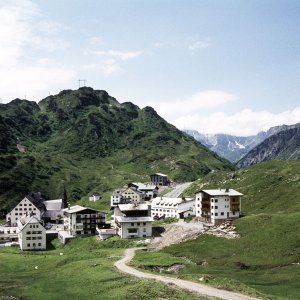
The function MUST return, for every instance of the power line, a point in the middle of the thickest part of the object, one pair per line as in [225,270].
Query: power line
[81,80]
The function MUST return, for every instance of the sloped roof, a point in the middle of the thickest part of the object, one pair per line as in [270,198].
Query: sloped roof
[133,219]
[78,208]
[159,174]
[222,192]
[131,206]
[56,204]
[143,186]
[27,220]
[169,201]
[36,200]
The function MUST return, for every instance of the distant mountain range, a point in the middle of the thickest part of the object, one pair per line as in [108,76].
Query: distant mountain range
[234,148]
[283,145]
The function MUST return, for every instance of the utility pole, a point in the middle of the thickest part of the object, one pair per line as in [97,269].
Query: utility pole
[82,80]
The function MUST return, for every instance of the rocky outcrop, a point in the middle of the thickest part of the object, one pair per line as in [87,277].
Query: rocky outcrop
[283,145]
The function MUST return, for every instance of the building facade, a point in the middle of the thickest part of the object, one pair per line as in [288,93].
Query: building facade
[216,206]
[165,207]
[32,234]
[159,179]
[79,220]
[133,220]
[32,204]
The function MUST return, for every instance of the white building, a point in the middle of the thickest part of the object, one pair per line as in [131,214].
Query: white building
[216,206]
[159,179]
[149,190]
[32,204]
[133,220]
[95,196]
[165,207]
[79,220]
[32,234]
[133,195]
[54,210]
[117,197]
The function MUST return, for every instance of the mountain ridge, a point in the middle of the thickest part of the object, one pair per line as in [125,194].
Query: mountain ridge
[234,147]
[86,140]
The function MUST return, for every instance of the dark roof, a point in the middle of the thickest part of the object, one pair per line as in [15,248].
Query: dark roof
[94,194]
[37,200]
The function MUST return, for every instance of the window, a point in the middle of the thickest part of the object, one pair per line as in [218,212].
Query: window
[132,230]
[216,200]
[233,212]
[28,238]
[144,224]
[39,244]
[216,214]
[212,200]
[212,207]
[216,207]
[222,214]
[138,224]
[144,230]
[33,244]
[132,224]
[28,245]
[16,208]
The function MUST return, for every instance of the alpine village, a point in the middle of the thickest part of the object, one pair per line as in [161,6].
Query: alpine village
[87,181]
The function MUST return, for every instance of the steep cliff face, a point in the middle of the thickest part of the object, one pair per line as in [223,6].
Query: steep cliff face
[283,145]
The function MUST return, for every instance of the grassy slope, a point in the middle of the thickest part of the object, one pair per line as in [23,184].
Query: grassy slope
[86,141]
[266,258]
[85,271]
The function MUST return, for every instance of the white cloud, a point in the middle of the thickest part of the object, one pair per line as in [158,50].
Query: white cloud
[246,122]
[204,100]
[118,54]
[95,40]
[26,40]
[200,44]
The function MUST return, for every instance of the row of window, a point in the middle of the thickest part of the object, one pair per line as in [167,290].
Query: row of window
[25,204]
[28,238]
[135,230]
[34,245]
[25,208]
[33,232]
[34,226]
[138,224]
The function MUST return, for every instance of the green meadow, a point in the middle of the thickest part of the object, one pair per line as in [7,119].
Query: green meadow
[84,271]
[265,260]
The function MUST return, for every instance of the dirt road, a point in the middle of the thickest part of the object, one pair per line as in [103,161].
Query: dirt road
[201,289]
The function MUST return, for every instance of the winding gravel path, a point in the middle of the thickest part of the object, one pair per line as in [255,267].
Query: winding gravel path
[201,289]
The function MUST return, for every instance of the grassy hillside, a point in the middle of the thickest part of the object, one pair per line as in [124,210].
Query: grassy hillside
[85,140]
[266,258]
[84,271]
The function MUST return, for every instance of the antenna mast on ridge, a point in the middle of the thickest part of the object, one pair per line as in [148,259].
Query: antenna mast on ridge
[81,80]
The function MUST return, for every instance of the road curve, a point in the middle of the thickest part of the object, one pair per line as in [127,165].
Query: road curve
[201,289]
[178,190]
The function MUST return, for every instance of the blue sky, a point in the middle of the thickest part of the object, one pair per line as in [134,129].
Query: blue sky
[214,66]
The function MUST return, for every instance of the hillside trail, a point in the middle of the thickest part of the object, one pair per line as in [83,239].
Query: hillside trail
[198,288]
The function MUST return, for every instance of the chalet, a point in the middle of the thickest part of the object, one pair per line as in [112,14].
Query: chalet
[216,206]
[117,197]
[133,195]
[79,220]
[150,190]
[133,220]
[32,234]
[159,179]
[165,207]
[32,204]
[95,196]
